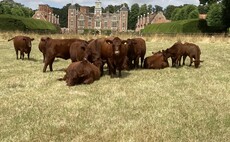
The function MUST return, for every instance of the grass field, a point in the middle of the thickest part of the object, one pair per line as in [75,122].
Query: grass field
[184,104]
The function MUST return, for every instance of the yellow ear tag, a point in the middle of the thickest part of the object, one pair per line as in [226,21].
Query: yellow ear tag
[125,43]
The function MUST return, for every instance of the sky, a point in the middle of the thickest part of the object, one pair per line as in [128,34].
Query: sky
[60,3]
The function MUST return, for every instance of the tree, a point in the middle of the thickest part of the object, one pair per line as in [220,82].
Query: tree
[134,12]
[203,9]
[143,9]
[109,8]
[194,14]
[215,15]
[150,8]
[168,11]
[17,11]
[158,8]
[226,15]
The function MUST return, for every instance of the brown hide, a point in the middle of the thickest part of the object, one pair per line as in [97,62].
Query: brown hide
[187,49]
[42,46]
[22,44]
[118,55]
[156,61]
[77,51]
[136,50]
[57,48]
[81,72]
[193,51]
[110,50]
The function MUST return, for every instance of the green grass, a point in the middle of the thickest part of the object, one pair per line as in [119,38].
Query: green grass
[12,23]
[184,104]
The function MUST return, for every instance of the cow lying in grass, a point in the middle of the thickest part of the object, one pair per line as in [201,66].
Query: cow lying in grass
[81,72]
[156,61]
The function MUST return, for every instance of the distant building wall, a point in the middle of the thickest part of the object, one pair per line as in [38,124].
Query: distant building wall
[45,13]
[81,19]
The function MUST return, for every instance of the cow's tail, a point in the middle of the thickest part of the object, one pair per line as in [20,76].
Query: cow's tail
[10,39]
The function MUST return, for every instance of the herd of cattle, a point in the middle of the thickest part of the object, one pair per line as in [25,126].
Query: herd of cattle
[89,57]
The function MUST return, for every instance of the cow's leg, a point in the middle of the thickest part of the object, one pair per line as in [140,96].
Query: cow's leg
[22,55]
[119,72]
[16,54]
[190,61]
[111,68]
[43,58]
[88,80]
[136,62]
[142,60]
[184,57]
[177,61]
[28,55]
[51,64]
[47,62]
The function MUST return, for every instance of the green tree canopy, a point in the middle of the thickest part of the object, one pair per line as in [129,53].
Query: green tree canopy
[215,15]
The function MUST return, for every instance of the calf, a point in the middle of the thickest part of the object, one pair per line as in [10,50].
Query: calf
[136,50]
[81,72]
[22,44]
[57,48]
[156,61]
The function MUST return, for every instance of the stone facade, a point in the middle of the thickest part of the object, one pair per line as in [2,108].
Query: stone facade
[81,19]
[45,13]
[150,18]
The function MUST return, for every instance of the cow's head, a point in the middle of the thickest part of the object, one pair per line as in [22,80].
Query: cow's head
[117,45]
[131,42]
[28,41]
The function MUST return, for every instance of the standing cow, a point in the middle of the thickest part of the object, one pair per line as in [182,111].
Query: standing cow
[22,44]
[113,51]
[179,50]
[136,50]
[57,48]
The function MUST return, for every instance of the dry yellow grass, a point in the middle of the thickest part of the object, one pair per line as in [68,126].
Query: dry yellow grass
[184,104]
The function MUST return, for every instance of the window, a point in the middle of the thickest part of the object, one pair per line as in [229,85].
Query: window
[81,17]
[98,23]
[123,25]
[81,23]
[89,24]
[114,18]
[114,24]
[106,24]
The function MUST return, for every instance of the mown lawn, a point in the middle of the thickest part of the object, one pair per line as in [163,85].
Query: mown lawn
[184,104]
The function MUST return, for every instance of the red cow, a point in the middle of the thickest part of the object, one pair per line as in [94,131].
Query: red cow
[22,44]
[136,50]
[57,48]
[81,72]
[156,61]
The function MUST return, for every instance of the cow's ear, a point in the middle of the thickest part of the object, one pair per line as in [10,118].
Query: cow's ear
[32,39]
[108,41]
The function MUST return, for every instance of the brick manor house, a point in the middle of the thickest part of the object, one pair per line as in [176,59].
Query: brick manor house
[45,13]
[80,19]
